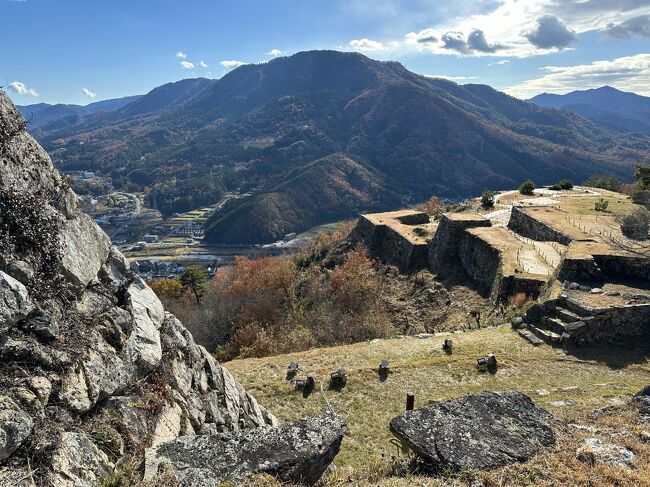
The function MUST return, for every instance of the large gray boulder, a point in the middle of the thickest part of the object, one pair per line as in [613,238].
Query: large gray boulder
[15,303]
[297,453]
[85,249]
[77,462]
[481,431]
[15,426]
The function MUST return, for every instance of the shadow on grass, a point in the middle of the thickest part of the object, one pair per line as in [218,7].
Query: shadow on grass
[616,355]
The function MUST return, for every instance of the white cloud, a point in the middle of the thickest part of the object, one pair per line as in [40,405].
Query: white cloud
[88,93]
[187,65]
[202,64]
[275,53]
[366,45]
[181,55]
[630,73]
[503,62]
[514,28]
[232,64]
[20,89]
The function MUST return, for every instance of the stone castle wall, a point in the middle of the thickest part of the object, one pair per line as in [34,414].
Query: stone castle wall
[527,226]
[630,320]
[388,245]
[480,260]
[576,269]
[444,247]
[621,265]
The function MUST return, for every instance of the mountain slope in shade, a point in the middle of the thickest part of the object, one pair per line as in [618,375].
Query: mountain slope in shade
[619,110]
[322,135]
[328,189]
[40,114]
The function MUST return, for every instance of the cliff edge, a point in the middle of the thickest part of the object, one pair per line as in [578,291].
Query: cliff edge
[92,367]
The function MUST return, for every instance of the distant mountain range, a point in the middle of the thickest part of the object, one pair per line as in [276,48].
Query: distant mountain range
[41,114]
[618,110]
[323,135]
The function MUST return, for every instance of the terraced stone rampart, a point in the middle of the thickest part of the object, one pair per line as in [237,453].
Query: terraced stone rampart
[489,256]
[391,238]
[528,226]
[444,247]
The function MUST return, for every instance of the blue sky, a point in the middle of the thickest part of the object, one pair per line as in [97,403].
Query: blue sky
[72,51]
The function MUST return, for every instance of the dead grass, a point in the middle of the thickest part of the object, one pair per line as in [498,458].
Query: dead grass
[548,375]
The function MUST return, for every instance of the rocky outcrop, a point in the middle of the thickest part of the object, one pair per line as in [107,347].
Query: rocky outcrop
[87,351]
[15,426]
[481,431]
[298,453]
[77,461]
[15,303]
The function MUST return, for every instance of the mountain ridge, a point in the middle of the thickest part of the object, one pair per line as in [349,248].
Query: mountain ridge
[41,114]
[259,124]
[619,110]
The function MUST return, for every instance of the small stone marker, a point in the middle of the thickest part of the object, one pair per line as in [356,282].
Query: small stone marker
[410,401]
[491,362]
[487,363]
[338,379]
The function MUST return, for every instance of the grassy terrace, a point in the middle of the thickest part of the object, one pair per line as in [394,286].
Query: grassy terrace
[568,385]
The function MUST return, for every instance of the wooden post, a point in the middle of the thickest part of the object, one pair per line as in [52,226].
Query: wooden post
[410,401]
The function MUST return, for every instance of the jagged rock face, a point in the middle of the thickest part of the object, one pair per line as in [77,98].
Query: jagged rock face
[296,453]
[481,431]
[15,303]
[92,367]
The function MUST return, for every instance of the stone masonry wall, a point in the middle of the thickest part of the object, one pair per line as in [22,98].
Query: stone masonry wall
[480,260]
[527,226]
[620,265]
[388,245]
[632,320]
[444,247]
[573,269]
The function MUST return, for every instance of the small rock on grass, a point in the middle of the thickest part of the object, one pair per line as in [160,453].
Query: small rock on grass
[596,451]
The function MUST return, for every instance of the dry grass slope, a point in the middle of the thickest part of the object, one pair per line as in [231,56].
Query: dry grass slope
[594,379]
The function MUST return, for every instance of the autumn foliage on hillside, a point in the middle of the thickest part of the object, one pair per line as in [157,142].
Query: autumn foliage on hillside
[316,297]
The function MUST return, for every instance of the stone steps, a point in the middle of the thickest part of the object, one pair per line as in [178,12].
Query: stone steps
[533,339]
[575,307]
[546,335]
[566,315]
[555,322]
